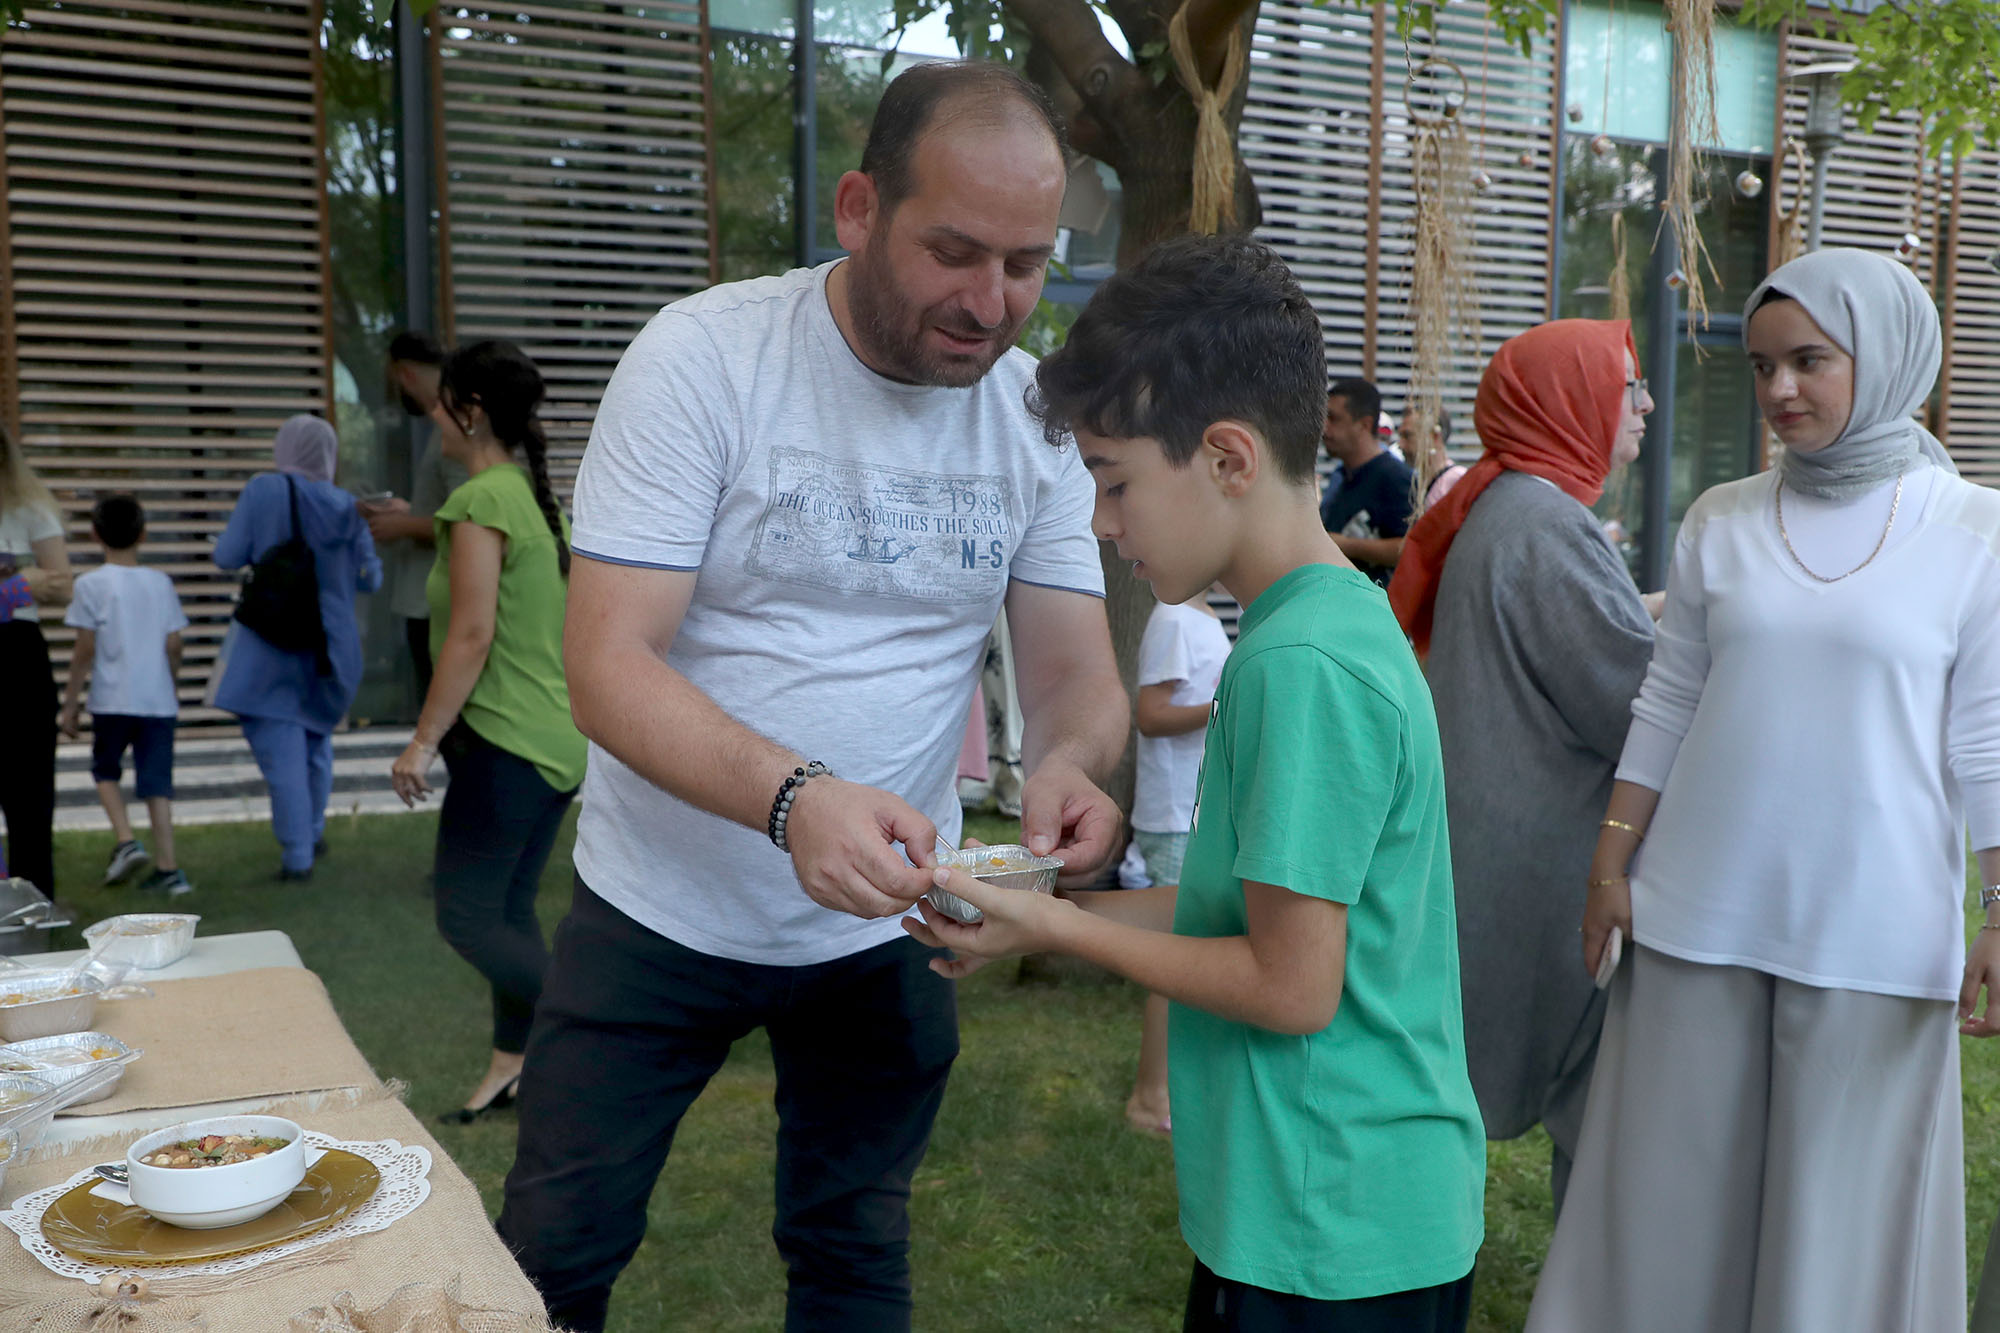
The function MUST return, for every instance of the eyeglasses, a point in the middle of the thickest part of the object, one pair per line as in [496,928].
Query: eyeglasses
[1638,390]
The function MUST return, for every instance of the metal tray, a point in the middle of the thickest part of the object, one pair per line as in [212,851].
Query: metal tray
[1007,866]
[46,1055]
[47,1011]
[145,940]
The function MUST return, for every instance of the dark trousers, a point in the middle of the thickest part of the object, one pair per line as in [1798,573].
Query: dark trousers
[630,1029]
[1219,1305]
[499,821]
[417,633]
[28,760]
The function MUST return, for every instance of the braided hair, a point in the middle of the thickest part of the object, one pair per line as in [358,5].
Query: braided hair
[499,377]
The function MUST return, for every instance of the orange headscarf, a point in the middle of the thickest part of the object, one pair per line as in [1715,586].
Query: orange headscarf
[1549,404]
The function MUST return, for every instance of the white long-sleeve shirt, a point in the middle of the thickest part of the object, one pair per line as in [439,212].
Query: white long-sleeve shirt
[1821,749]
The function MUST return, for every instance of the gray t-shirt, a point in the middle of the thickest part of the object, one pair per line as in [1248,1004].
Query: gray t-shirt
[855,537]
[436,477]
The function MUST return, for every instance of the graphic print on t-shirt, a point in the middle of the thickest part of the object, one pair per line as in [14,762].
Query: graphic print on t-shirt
[858,527]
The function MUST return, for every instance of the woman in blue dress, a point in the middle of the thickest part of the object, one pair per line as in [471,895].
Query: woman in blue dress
[290,702]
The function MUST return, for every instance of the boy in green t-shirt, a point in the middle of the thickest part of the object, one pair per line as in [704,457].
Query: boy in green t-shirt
[1329,1152]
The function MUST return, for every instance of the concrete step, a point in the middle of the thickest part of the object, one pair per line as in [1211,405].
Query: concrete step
[216,780]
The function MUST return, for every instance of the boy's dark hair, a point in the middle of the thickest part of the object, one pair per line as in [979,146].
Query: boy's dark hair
[1444,427]
[501,379]
[1203,329]
[915,101]
[419,348]
[118,521]
[1363,399]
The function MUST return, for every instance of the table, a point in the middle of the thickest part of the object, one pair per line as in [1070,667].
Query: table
[440,1266]
[211,956]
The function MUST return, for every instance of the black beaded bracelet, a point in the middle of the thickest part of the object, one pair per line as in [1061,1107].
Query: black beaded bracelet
[781,808]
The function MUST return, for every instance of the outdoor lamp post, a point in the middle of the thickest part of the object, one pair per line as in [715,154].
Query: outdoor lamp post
[1825,130]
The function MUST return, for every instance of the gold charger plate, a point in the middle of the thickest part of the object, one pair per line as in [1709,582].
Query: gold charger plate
[84,1226]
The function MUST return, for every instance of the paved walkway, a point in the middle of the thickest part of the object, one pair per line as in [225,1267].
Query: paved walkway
[216,780]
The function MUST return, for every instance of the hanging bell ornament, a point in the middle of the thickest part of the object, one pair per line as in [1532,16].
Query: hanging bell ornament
[1575,112]
[1993,261]
[1677,279]
[1481,181]
[1906,249]
[1526,159]
[1603,146]
[1749,184]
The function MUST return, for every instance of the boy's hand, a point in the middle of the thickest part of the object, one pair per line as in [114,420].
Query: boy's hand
[66,721]
[1015,922]
[409,774]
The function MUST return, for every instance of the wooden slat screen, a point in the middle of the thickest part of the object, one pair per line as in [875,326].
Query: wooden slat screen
[575,182]
[163,238]
[1969,413]
[1325,113]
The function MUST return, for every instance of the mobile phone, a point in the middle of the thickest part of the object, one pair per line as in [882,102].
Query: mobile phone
[1607,962]
[378,497]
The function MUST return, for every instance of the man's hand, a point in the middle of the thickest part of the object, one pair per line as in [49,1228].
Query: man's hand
[1015,922]
[843,838]
[66,722]
[1063,814]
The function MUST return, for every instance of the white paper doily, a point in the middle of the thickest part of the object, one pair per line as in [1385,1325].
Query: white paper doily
[405,1185]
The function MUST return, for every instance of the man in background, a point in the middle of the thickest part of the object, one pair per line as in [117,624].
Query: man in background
[402,528]
[1368,514]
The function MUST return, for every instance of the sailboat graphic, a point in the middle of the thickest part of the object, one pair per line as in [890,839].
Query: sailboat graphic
[879,550]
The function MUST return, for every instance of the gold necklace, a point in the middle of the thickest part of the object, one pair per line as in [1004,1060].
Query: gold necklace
[1894,504]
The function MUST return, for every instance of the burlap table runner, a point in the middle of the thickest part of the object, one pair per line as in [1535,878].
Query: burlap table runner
[267,1032]
[440,1268]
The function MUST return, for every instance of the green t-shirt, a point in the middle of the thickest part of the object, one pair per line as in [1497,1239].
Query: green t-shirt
[521,702]
[1351,1162]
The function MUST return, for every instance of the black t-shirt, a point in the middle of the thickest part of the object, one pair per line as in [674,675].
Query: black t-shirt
[1372,501]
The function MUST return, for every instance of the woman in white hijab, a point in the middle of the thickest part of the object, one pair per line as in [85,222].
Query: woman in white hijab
[1772,1137]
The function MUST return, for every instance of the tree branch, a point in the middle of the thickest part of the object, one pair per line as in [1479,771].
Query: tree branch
[1068,30]
[1209,24]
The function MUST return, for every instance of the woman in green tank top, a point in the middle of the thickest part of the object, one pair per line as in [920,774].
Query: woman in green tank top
[498,705]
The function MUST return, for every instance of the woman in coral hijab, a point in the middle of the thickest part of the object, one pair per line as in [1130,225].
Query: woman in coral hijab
[1773,1137]
[1537,640]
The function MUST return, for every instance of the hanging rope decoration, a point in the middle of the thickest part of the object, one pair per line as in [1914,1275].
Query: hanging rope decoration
[1692,24]
[1444,305]
[1792,221]
[1618,285]
[1214,204]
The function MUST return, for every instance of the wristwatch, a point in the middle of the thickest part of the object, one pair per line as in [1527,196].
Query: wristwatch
[1989,895]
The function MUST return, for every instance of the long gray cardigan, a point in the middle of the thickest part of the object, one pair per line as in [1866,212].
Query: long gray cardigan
[1538,647]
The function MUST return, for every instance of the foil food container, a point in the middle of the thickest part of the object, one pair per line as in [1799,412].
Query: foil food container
[144,940]
[64,1059]
[18,1088]
[43,1009]
[1007,866]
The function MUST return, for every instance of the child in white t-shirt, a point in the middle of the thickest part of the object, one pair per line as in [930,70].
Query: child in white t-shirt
[128,624]
[1180,661]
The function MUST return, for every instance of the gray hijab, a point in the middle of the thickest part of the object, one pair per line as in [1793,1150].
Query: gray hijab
[1876,311]
[307,448]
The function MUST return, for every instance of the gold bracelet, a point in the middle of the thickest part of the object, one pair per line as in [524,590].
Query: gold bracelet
[1991,925]
[1621,824]
[1607,883]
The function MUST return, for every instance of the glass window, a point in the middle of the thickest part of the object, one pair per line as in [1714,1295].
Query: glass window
[1618,72]
[776,18]
[752,91]
[1617,68]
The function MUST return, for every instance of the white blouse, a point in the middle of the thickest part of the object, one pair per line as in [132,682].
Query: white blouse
[1821,748]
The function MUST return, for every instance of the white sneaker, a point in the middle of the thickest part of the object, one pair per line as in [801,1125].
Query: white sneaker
[126,857]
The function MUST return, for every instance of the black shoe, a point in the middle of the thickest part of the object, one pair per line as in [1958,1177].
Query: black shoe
[289,876]
[319,849]
[170,882]
[465,1115]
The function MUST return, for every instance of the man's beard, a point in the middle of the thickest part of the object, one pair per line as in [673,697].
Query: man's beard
[892,330]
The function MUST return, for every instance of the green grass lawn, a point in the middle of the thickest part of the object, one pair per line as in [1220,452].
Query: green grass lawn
[1035,1209]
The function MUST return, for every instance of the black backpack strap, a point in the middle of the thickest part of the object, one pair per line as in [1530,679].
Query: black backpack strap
[292,491]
